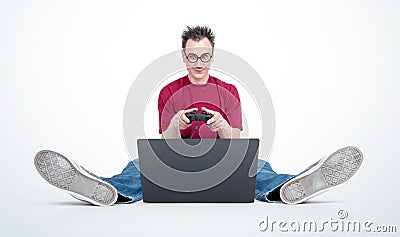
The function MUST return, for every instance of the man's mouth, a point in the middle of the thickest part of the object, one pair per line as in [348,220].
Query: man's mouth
[199,69]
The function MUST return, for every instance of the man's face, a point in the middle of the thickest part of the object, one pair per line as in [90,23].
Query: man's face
[198,56]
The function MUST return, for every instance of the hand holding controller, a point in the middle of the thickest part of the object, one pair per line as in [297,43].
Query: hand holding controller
[194,116]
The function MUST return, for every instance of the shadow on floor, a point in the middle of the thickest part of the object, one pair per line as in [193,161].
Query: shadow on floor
[70,203]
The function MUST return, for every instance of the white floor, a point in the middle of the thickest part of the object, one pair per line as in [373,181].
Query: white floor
[31,207]
[59,215]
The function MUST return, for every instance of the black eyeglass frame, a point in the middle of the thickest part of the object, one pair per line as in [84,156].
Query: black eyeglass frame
[197,57]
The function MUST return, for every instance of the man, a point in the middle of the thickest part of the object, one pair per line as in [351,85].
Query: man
[198,91]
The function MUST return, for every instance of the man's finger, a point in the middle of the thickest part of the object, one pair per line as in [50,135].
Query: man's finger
[183,124]
[218,127]
[185,119]
[191,110]
[215,117]
[182,116]
[208,110]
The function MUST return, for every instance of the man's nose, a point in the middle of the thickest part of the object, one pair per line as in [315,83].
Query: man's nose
[198,63]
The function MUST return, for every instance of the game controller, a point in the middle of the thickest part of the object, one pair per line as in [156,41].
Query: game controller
[194,116]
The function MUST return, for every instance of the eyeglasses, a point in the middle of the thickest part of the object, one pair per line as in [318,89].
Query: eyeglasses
[192,57]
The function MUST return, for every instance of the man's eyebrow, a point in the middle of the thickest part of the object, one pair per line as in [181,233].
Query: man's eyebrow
[197,50]
[200,47]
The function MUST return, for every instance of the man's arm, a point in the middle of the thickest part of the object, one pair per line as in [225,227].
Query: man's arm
[171,132]
[219,124]
[233,112]
[178,123]
[229,132]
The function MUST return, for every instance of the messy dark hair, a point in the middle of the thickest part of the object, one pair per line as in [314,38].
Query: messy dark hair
[197,33]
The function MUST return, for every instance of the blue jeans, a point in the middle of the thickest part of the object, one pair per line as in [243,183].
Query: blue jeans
[129,186]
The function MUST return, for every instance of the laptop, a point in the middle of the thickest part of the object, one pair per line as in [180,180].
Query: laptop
[198,170]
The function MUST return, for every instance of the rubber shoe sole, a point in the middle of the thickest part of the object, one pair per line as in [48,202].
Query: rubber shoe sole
[62,173]
[329,172]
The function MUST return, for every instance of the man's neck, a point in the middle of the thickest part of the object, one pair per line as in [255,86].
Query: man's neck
[199,81]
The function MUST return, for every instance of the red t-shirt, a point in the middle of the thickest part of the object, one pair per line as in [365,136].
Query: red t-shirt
[215,95]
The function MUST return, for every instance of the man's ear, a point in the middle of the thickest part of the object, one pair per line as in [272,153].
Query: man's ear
[183,56]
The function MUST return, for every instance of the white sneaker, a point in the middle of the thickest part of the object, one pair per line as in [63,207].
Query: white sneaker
[324,175]
[65,174]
